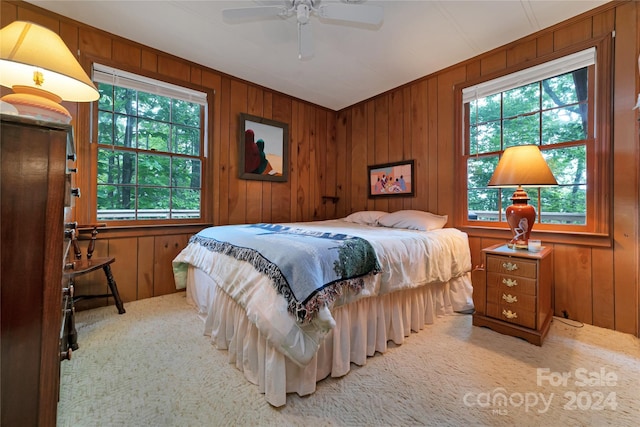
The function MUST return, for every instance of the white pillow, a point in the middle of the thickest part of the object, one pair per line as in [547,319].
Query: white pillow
[365,217]
[413,220]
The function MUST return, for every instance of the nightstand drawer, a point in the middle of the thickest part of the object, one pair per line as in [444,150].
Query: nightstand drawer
[510,283]
[512,266]
[507,313]
[512,300]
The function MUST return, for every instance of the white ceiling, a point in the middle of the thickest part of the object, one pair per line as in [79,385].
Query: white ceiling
[351,62]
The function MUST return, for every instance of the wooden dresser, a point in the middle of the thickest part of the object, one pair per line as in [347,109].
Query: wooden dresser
[34,185]
[515,289]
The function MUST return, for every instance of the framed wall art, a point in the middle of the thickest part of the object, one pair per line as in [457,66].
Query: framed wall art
[263,149]
[392,179]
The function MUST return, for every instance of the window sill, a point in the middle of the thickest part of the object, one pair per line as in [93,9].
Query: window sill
[150,230]
[561,237]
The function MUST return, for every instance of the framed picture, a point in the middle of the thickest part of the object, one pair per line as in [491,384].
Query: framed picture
[392,179]
[263,149]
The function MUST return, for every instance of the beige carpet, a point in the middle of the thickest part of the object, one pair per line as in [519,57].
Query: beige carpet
[153,367]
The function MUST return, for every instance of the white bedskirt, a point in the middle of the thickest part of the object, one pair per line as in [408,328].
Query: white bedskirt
[363,328]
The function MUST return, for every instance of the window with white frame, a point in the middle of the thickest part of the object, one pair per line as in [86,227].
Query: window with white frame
[551,105]
[150,148]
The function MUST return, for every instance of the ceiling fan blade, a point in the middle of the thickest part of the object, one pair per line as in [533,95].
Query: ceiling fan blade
[365,14]
[254,12]
[305,41]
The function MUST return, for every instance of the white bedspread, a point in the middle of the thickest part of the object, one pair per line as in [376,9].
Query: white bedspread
[408,259]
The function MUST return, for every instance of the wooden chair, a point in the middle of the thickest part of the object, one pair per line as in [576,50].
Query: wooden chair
[80,266]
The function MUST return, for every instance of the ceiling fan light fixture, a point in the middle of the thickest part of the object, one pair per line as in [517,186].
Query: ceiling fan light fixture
[302,12]
[346,11]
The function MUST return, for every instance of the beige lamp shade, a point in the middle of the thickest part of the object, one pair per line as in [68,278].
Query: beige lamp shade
[522,166]
[38,66]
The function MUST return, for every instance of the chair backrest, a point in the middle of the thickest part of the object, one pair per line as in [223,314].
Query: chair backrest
[77,252]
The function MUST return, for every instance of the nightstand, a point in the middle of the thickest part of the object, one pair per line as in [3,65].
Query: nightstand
[515,292]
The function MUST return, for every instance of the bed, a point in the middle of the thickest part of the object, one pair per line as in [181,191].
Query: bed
[386,275]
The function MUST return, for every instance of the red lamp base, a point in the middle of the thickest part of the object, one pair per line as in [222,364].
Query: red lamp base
[520,217]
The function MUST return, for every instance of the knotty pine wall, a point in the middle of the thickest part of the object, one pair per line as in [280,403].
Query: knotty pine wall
[595,285]
[328,149]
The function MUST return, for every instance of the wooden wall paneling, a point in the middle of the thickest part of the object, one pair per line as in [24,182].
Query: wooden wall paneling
[126,53]
[603,291]
[473,69]
[370,138]
[169,66]
[306,125]
[446,148]
[95,43]
[494,62]
[407,132]
[637,14]
[331,172]
[211,198]
[544,44]
[125,269]
[294,152]
[145,267]
[419,147]
[149,61]
[8,13]
[299,161]
[358,168]
[521,52]
[396,141]
[255,189]
[313,174]
[433,143]
[604,23]
[625,162]
[322,149]
[573,282]
[378,127]
[347,185]
[572,34]
[343,158]
[281,193]
[195,75]
[46,20]
[166,248]
[237,186]
[222,151]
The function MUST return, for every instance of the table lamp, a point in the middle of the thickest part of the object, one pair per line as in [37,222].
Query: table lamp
[38,66]
[521,166]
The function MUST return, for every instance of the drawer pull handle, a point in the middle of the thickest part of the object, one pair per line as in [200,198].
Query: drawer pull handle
[510,282]
[509,314]
[509,266]
[509,298]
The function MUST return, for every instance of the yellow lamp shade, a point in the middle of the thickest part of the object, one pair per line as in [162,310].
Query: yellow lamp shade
[36,64]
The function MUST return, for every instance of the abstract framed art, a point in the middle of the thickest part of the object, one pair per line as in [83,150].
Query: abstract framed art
[263,149]
[392,179]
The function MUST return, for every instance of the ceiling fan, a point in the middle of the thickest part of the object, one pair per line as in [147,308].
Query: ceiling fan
[347,11]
